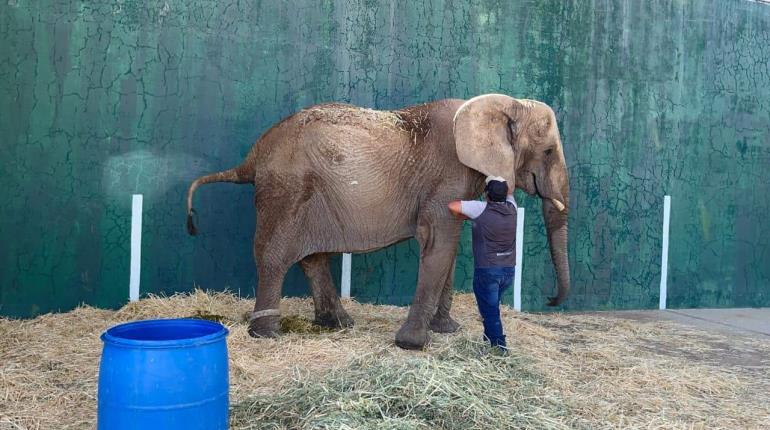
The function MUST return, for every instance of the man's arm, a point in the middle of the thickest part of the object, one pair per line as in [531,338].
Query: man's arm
[467,209]
[456,207]
[509,198]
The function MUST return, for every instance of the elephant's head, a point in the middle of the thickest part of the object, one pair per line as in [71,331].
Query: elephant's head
[519,140]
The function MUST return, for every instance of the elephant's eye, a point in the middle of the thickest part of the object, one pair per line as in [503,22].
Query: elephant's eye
[548,151]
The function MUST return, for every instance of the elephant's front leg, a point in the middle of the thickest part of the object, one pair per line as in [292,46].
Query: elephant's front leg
[442,322]
[438,245]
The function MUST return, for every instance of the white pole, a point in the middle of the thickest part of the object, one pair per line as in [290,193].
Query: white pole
[519,252]
[664,253]
[346,265]
[136,248]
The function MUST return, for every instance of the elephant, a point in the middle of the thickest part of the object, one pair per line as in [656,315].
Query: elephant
[335,178]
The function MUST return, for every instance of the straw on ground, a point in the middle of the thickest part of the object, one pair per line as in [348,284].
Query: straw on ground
[565,371]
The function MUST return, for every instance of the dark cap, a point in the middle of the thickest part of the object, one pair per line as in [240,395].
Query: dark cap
[497,190]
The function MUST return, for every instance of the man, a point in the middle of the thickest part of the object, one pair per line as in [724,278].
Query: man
[494,241]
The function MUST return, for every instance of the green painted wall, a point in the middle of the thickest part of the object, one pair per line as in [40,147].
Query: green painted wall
[102,99]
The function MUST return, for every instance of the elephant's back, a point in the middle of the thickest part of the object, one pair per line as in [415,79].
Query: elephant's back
[330,114]
[343,142]
[331,130]
[337,137]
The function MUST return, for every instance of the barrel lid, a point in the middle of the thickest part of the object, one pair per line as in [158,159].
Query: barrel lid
[165,333]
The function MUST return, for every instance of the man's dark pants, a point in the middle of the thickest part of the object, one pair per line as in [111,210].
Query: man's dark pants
[488,286]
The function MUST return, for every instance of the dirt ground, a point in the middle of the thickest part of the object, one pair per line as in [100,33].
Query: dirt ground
[730,344]
[584,370]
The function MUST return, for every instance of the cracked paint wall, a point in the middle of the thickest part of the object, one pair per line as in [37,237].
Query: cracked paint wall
[103,99]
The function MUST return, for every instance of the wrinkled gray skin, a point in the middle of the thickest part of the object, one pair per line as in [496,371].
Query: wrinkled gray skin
[337,178]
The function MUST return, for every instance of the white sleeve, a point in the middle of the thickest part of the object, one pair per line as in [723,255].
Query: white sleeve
[472,208]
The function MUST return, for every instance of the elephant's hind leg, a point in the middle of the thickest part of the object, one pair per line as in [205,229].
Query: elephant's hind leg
[266,318]
[274,253]
[442,322]
[328,309]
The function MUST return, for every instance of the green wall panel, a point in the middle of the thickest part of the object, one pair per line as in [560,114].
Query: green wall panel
[103,99]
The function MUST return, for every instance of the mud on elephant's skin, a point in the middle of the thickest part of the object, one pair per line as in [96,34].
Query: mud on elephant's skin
[339,178]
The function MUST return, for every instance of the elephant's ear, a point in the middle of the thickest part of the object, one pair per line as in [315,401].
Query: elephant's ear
[484,129]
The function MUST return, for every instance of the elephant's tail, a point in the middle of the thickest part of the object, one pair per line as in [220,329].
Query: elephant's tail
[238,175]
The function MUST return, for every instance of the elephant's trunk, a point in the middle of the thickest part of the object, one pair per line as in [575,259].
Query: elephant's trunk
[556,226]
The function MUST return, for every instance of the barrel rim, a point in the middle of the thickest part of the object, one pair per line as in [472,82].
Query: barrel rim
[109,337]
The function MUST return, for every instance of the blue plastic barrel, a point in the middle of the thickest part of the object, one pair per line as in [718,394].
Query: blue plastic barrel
[164,374]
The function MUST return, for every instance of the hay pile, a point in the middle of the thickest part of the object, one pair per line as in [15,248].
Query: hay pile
[565,371]
[458,388]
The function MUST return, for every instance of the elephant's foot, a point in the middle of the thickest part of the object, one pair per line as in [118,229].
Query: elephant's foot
[336,318]
[412,335]
[267,326]
[444,324]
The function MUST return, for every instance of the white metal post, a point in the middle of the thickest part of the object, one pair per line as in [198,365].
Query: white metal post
[136,248]
[664,253]
[519,257]
[347,261]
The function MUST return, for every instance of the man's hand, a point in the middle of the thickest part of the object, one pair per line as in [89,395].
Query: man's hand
[456,208]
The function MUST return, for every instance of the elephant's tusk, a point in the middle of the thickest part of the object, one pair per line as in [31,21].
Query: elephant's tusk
[559,205]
